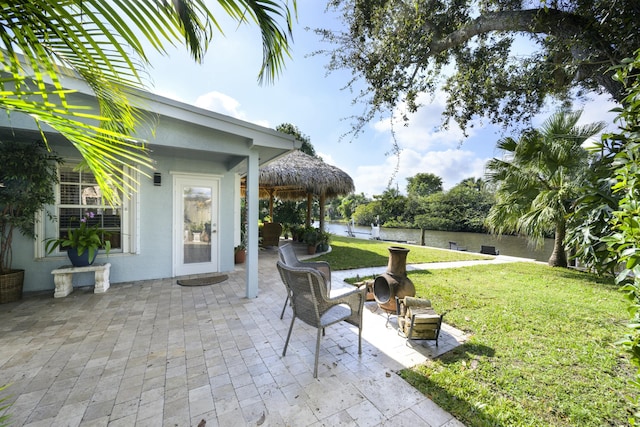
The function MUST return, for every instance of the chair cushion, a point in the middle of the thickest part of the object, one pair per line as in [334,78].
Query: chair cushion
[335,314]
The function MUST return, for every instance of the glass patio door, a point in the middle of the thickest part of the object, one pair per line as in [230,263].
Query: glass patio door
[195,224]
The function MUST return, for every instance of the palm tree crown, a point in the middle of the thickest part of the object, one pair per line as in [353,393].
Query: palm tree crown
[538,179]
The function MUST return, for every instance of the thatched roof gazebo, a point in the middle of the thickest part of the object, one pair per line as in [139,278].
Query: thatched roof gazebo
[297,175]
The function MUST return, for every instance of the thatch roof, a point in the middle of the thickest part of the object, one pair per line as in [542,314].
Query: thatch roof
[297,174]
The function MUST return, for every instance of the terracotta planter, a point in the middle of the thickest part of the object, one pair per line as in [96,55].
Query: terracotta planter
[240,256]
[11,286]
[311,249]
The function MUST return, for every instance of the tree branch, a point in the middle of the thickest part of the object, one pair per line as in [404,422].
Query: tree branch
[534,21]
[590,49]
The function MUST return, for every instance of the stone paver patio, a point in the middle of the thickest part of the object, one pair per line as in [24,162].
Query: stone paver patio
[154,353]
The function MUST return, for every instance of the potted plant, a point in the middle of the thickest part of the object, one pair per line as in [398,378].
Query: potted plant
[297,233]
[27,176]
[286,230]
[323,240]
[240,251]
[310,237]
[82,242]
[240,254]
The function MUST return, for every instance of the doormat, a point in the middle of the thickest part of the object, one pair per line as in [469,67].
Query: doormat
[203,281]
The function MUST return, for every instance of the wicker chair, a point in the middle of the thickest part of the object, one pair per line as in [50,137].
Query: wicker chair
[270,233]
[312,304]
[288,257]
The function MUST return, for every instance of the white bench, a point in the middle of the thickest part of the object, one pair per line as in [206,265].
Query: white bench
[63,278]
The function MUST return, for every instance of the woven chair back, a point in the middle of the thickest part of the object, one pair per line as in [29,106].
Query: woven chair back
[288,255]
[307,291]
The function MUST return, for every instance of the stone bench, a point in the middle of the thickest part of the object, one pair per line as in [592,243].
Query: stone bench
[63,278]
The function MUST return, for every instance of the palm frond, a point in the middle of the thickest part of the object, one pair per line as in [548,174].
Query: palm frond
[101,43]
[275,38]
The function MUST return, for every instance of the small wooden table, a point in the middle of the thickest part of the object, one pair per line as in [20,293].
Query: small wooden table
[63,278]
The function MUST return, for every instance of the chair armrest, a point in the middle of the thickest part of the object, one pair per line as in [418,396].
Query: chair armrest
[355,300]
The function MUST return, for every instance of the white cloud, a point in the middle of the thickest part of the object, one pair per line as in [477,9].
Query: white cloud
[425,148]
[225,104]
[599,110]
[424,129]
[452,165]
[327,158]
[220,103]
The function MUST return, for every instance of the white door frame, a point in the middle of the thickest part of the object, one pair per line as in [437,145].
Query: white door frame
[180,180]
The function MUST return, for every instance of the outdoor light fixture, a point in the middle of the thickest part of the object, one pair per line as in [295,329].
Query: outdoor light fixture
[157,179]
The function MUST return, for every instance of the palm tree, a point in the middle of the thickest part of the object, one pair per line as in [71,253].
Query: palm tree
[101,42]
[538,179]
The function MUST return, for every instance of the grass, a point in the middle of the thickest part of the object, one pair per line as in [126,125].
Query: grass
[541,351]
[348,253]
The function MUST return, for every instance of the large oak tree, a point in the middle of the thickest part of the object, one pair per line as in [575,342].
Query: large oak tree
[404,48]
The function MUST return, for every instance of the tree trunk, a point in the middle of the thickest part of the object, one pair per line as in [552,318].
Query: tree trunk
[559,256]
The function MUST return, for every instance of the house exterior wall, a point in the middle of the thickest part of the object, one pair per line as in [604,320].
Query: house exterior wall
[153,257]
[185,139]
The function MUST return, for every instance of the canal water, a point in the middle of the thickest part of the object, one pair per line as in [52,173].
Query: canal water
[506,245]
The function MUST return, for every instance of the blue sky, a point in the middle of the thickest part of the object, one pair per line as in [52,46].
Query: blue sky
[306,96]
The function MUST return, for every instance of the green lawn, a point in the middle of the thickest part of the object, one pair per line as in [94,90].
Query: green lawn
[541,351]
[348,253]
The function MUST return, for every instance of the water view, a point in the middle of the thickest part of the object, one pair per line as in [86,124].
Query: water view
[506,245]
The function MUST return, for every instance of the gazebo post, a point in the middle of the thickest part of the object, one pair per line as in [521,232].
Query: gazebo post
[271,190]
[309,202]
[322,202]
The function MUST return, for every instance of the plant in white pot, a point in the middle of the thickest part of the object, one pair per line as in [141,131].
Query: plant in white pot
[27,178]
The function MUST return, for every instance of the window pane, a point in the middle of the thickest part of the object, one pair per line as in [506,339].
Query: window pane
[69,218]
[111,219]
[68,175]
[88,178]
[79,195]
[69,194]
[91,195]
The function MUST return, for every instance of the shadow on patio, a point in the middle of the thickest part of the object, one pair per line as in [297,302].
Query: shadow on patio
[155,353]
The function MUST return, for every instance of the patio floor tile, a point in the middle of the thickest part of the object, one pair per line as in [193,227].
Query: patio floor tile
[154,353]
